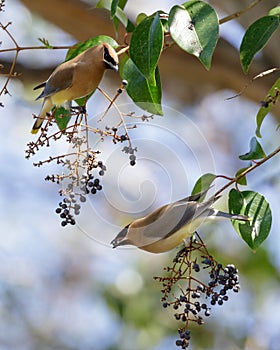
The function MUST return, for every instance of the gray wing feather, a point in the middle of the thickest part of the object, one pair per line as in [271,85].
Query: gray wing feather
[58,81]
[177,216]
[40,86]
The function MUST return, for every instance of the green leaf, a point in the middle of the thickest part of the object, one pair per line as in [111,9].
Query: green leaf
[82,100]
[146,95]
[119,13]
[84,45]
[146,45]
[203,183]
[242,180]
[275,11]
[255,152]
[122,4]
[130,26]
[62,117]
[270,100]
[255,38]
[114,6]
[194,27]
[255,206]
[140,17]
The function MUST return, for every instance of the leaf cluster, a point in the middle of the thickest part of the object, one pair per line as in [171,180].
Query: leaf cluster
[194,27]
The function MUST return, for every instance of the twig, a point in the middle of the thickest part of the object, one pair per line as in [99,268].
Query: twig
[11,72]
[112,103]
[247,171]
[23,48]
[17,49]
[239,13]
[123,50]
[261,75]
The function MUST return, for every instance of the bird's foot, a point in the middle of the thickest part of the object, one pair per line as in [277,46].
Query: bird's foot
[79,109]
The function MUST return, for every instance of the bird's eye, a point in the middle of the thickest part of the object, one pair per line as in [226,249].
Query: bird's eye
[108,58]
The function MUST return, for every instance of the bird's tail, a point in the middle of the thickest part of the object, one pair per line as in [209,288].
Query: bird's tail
[46,107]
[217,213]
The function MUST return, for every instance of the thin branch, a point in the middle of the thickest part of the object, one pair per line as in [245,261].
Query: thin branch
[112,103]
[11,73]
[123,50]
[261,75]
[239,13]
[23,48]
[17,49]
[248,170]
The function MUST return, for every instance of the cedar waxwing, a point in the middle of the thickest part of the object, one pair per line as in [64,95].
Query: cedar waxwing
[168,226]
[75,78]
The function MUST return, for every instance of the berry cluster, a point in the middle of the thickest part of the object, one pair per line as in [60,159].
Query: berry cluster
[131,151]
[64,210]
[76,191]
[81,169]
[207,284]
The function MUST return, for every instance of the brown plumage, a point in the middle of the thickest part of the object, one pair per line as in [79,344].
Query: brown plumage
[75,78]
[168,226]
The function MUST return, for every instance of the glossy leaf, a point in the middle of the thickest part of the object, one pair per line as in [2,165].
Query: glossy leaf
[275,11]
[84,45]
[194,27]
[114,6]
[255,206]
[122,4]
[146,95]
[140,17]
[118,12]
[62,117]
[146,45]
[255,152]
[242,180]
[267,104]
[255,38]
[203,183]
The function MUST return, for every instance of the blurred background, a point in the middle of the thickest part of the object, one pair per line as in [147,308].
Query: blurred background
[66,288]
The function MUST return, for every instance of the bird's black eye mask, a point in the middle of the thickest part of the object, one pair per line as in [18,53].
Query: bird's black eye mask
[108,60]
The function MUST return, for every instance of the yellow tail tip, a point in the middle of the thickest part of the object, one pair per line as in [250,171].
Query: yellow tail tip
[34,131]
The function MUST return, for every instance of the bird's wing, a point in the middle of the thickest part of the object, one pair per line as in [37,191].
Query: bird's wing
[195,197]
[165,220]
[151,218]
[60,79]
[187,211]
[171,218]
[40,86]
[158,213]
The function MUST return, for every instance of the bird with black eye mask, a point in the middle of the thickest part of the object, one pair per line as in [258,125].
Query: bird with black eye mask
[75,78]
[168,226]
